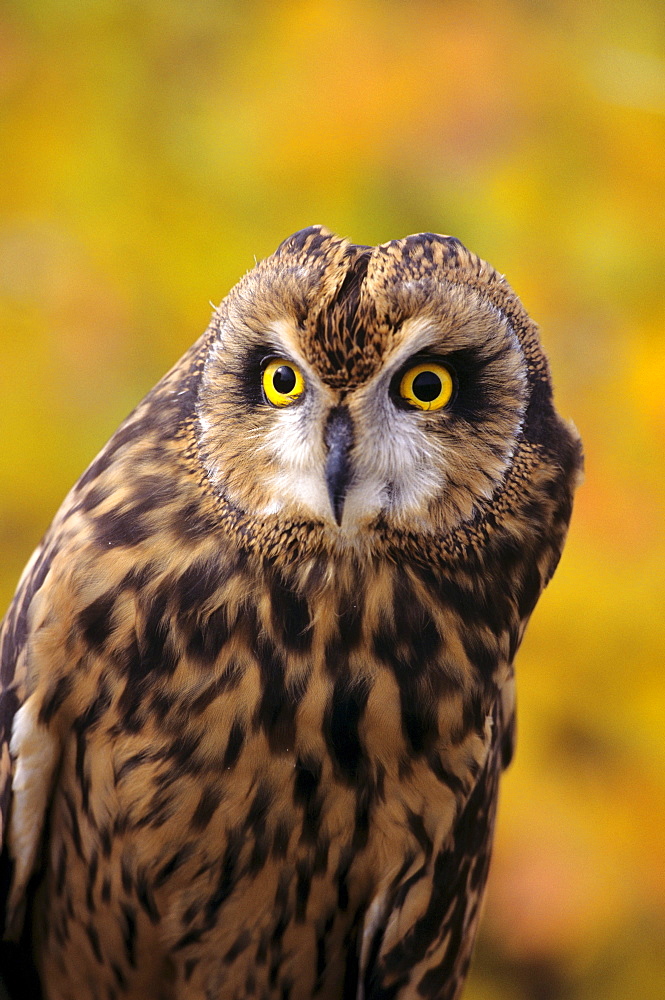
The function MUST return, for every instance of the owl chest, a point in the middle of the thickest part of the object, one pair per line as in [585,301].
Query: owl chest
[244,879]
[257,819]
[238,816]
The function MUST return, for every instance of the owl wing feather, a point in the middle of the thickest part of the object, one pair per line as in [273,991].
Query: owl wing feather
[162,413]
[18,975]
[14,635]
[431,958]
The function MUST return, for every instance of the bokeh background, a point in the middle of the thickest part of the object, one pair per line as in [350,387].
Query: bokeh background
[149,151]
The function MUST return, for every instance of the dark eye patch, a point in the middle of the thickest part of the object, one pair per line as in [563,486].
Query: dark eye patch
[472,394]
[475,383]
[243,376]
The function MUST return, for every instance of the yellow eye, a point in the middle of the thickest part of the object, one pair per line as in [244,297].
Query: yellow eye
[428,386]
[282,382]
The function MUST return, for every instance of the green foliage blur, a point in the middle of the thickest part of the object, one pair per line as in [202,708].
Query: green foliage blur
[150,150]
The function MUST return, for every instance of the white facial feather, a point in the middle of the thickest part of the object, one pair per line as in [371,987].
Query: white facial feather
[392,461]
[300,458]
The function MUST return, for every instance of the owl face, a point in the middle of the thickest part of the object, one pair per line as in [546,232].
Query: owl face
[355,387]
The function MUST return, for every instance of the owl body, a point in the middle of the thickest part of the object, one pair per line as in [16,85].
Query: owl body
[257,680]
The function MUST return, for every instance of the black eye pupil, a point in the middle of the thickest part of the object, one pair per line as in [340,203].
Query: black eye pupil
[426,386]
[284,380]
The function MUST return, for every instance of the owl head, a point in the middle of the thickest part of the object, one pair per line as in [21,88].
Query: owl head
[373,391]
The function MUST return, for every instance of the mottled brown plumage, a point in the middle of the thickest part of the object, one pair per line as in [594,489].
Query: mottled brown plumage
[259,672]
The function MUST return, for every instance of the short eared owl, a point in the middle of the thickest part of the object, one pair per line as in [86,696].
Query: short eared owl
[258,677]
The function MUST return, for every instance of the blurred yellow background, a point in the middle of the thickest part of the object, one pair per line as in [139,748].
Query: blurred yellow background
[149,151]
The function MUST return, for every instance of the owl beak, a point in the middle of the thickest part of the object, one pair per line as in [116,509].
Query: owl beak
[338,438]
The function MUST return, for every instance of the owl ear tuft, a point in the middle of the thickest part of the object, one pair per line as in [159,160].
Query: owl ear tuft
[305,241]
